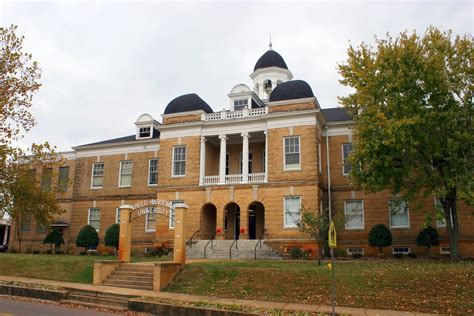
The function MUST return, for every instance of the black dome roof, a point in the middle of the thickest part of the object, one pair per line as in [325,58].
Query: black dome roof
[187,103]
[270,59]
[290,90]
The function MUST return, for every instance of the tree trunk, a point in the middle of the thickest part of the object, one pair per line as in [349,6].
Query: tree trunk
[452,228]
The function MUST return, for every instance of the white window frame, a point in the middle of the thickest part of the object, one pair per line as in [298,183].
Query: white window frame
[147,214]
[390,215]
[439,223]
[443,251]
[89,217]
[92,175]
[363,215]
[173,174]
[285,224]
[294,167]
[349,252]
[117,215]
[120,174]
[401,252]
[145,137]
[172,214]
[241,104]
[344,173]
[149,172]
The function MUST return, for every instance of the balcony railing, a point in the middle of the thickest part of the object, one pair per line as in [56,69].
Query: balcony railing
[235,179]
[231,115]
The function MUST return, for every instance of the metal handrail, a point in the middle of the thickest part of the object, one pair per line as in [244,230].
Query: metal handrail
[255,249]
[212,245]
[190,240]
[236,247]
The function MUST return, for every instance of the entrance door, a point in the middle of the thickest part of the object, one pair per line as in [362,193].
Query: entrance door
[237,224]
[252,224]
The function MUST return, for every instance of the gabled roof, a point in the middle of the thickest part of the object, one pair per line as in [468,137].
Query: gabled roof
[130,138]
[336,115]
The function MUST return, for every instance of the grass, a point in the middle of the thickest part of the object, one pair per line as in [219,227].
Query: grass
[409,285]
[55,267]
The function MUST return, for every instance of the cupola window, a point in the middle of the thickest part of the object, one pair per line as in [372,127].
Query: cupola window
[267,85]
[144,132]
[240,104]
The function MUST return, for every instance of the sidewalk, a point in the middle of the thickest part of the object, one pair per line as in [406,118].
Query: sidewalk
[212,299]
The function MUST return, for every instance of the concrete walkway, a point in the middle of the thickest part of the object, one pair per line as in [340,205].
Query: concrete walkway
[212,299]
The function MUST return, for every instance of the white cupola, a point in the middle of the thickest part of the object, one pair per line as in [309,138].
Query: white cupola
[147,126]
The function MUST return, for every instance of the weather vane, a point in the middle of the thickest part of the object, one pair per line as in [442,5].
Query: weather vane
[270,44]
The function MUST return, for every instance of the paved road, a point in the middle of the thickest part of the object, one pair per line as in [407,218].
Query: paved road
[10,307]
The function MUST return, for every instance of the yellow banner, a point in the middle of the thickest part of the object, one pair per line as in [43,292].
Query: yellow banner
[332,236]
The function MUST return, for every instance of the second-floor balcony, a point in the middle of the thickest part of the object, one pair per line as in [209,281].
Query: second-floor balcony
[233,159]
[230,115]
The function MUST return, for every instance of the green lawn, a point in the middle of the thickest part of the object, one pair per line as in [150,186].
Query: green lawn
[411,285]
[55,267]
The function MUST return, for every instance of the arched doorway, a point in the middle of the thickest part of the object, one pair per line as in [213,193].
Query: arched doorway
[256,221]
[232,221]
[208,221]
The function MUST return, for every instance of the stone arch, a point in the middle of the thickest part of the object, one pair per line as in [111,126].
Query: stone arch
[231,221]
[208,221]
[256,220]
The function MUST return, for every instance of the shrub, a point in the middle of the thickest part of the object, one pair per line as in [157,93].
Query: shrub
[412,255]
[380,236]
[83,253]
[49,251]
[35,252]
[428,237]
[59,252]
[12,250]
[105,253]
[356,255]
[54,237]
[112,236]
[398,255]
[87,238]
[298,253]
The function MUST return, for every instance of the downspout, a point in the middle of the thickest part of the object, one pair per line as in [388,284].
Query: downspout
[329,174]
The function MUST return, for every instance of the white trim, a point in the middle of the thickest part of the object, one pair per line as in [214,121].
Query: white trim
[390,214]
[402,252]
[89,216]
[285,225]
[117,215]
[195,112]
[139,127]
[343,161]
[173,175]
[92,175]
[351,252]
[241,165]
[345,214]
[149,165]
[147,230]
[292,101]
[295,168]
[443,250]
[120,174]
[436,213]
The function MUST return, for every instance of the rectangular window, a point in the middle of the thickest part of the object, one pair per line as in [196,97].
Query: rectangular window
[227,162]
[125,174]
[94,218]
[97,175]
[117,216]
[63,178]
[240,104]
[25,222]
[439,213]
[179,161]
[346,151]
[292,211]
[399,215]
[401,250]
[150,221]
[46,179]
[444,250]
[153,172]
[292,153]
[171,223]
[250,163]
[144,132]
[355,250]
[264,161]
[354,214]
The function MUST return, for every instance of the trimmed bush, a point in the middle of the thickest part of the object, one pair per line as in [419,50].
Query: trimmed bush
[87,238]
[428,237]
[356,255]
[398,255]
[298,253]
[54,237]
[112,236]
[412,255]
[380,236]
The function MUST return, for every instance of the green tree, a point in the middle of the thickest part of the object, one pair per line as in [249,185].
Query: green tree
[112,235]
[380,236]
[428,237]
[87,238]
[315,224]
[54,237]
[413,111]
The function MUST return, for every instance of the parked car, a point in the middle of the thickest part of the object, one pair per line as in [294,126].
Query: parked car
[4,248]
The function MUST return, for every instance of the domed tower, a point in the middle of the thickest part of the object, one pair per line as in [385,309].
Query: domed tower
[269,71]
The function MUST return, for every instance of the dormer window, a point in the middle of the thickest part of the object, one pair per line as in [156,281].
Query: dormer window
[144,132]
[240,104]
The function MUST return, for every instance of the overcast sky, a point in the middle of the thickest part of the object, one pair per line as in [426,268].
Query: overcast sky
[105,63]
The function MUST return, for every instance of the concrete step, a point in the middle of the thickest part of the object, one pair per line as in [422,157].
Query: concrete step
[94,305]
[128,282]
[115,277]
[132,274]
[137,287]
[98,300]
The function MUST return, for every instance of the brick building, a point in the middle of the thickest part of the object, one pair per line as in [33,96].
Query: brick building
[248,170]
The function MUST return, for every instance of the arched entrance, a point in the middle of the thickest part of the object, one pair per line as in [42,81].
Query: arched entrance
[256,222]
[208,221]
[232,221]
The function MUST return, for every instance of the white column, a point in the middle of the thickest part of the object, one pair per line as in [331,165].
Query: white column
[223,139]
[266,155]
[202,161]
[5,235]
[245,157]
